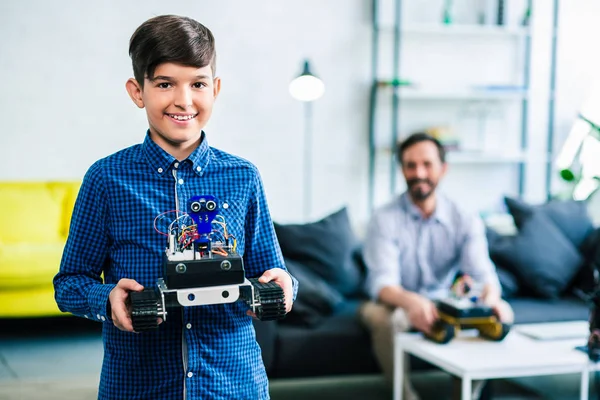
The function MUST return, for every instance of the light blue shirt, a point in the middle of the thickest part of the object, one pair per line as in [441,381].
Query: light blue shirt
[423,254]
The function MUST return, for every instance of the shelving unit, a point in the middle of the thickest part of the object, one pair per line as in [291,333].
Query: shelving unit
[398,93]
[476,157]
[480,30]
[551,102]
[461,94]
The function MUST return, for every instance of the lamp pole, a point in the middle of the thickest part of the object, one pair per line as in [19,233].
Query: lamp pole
[307,159]
[307,88]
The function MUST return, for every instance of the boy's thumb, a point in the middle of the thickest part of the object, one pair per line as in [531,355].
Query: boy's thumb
[130,284]
[266,277]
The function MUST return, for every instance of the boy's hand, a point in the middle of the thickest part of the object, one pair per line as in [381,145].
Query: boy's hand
[284,280]
[120,314]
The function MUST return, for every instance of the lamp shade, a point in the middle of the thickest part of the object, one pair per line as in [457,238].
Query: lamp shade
[307,87]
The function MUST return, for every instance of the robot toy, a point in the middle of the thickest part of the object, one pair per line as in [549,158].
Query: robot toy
[463,310]
[199,269]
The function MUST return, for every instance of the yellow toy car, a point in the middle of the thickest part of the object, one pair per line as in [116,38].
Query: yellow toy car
[462,310]
[458,314]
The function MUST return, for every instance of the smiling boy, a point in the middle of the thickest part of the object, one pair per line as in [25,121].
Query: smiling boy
[206,351]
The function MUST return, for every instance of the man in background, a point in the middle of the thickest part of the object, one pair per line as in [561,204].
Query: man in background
[414,247]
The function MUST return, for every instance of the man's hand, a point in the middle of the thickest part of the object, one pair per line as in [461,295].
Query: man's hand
[491,298]
[422,314]
[284,280]
[120,314]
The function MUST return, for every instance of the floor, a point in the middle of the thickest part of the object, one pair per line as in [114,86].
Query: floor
[60,358]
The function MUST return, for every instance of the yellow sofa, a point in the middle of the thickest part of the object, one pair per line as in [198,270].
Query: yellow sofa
[34,223]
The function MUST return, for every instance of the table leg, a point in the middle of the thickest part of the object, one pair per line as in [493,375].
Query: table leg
[398,369]
[585,385]
[466,388]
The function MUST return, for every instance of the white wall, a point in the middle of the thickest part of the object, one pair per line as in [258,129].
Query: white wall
[63,103]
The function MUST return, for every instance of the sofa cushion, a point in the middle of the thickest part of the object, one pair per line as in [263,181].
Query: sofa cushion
[570,216]
[69,192]
[30,212]
[316,299]
[498,244]
[533,310]
[326,247]
[508,282]
[340,345]
[540,256]
[29,264]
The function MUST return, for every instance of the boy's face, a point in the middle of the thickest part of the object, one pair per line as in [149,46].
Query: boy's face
[178,101]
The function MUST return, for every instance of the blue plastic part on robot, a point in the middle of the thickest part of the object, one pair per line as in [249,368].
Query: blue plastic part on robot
[203,210]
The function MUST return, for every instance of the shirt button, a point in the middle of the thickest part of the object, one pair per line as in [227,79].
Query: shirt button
[86,316]
[189,326]
[225,206]
[176,165]
[198,169]
[190,374]
[102,318]
[160,170]
[98,315]
[181,181]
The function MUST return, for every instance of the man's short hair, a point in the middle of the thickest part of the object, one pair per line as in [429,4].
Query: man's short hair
[418,138]
[170,38]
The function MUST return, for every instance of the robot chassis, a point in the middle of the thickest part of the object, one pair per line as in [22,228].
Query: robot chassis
[456,315]
[199,270]
[464,311]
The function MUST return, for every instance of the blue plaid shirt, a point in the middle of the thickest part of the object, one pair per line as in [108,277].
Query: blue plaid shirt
[207,352]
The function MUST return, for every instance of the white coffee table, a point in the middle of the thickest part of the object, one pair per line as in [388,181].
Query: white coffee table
[472,358]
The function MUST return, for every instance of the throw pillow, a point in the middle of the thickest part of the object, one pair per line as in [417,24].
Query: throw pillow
[325,247]
[570,216]
[493,237]
[541,257]
[508,282]
[313,291]
[497,245]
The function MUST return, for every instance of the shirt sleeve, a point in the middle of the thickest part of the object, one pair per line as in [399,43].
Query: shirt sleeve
[262,251]
[381,254]
[474,255]
[78,286]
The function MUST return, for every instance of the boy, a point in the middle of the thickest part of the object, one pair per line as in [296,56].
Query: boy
[206,351]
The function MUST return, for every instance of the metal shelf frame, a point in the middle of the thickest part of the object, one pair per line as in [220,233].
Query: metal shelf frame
[551,101]
[396,91]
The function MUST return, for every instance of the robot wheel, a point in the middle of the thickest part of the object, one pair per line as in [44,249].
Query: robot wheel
[144,310]
[271,299]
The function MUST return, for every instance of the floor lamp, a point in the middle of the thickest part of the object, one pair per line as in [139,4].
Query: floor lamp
[307,88]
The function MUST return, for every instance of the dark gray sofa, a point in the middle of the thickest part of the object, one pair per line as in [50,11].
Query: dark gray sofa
[326,338]
[341,346]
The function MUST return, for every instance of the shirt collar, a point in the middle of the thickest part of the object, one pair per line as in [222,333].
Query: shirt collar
[201,156]
[161,161]
[442,212]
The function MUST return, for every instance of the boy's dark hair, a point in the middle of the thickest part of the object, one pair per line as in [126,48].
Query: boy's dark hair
[170,38]
[418,138]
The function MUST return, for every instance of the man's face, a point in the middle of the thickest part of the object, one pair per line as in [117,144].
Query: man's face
[178,100]
[422,169]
